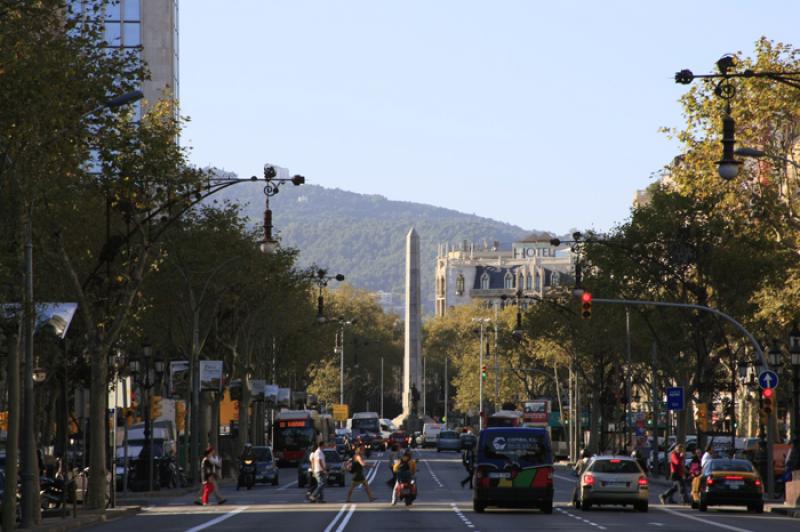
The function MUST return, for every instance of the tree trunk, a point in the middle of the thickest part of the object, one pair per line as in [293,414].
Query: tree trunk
[12,449]
[98,484]
[244,414]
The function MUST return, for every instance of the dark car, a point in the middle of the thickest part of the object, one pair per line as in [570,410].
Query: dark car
[266,468]
[304,470]
[335,463]
[728,482]
[398,438]
[514,467]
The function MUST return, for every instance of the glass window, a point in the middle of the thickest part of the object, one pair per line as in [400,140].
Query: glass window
[529,282]
[731,465]
[113,33]
[555,279]
[538,282]
[615,466]
[132,10]
[460,285]
[484,281]
[133,36]
[113,11]
[508,281]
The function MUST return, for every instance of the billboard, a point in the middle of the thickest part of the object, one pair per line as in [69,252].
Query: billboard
[284,397]
[179,378]
[211,375]
[271,395]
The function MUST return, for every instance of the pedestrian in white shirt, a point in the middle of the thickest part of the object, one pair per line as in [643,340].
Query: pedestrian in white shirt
[320,471]
[707,456]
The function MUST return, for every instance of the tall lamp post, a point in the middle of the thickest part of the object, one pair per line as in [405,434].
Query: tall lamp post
[794,351]
[147,372]
[483,322]
[339,349]
[321,279]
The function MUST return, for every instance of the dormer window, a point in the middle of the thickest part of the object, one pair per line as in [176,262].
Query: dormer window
[485,281]
[538,282]
[529,282]
[508,280]
[460,285]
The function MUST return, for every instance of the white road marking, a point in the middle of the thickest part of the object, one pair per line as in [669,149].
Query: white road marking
[701,520]
[461,515]
[430,470]
[581,519]
[336,518]
[346,519]
[286,486]
[219,519]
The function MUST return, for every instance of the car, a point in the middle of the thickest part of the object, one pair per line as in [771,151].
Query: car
[513,467]
[448,441]
[304,470]
[335,463]
[266,468]
[732,482]
[430,432]
[398,438]
[468,440]
[609,479]
[341,445]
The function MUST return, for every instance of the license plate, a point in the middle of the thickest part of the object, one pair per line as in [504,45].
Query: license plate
[615,483]
[735,484]
[499,475]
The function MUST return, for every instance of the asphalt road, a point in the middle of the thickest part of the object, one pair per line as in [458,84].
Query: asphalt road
[442,505]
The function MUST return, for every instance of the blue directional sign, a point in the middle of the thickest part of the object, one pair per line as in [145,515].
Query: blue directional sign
[675,398]
[768,379]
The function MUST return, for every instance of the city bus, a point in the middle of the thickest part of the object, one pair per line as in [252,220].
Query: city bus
[295,433]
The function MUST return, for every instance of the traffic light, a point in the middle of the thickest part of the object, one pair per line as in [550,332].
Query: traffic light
[155,407]
[180,416]
[701,417]
[483,373]
[768,401]
[586,305]
[4,420]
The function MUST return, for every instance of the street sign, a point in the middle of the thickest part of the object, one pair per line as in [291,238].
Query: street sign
[341,412]
[675,398]
[768,379]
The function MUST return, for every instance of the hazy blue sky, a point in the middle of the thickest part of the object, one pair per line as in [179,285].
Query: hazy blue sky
[542,114]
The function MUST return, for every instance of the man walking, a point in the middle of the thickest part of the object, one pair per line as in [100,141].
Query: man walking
[319,470]
[677,475]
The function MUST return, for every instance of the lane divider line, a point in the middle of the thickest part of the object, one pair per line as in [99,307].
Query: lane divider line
[219,519]
[701,520]
[286,485]
[581,519]
[430,470]
[461,516]
[336,518]
[346,519]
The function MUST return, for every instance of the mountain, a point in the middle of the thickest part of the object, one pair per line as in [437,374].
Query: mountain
[363,236]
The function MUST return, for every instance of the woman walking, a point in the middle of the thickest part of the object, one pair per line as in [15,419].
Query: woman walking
[208,470]
[359,479]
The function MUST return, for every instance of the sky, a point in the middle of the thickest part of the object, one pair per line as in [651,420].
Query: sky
[541,114]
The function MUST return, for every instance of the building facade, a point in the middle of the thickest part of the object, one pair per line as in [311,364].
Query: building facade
[467,273]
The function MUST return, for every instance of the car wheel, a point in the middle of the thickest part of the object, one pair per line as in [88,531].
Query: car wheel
[275,481]
[640,506]
[479,507]
[757,508]
[702,506]
[547,507]
[586,506]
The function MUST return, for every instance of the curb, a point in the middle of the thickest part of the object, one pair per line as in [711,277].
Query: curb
[58,524]
[789,511]
[142,497]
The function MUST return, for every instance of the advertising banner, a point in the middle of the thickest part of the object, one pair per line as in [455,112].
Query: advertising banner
[179,378]
[271,395]
[257,389]
[211,375]
[284,397]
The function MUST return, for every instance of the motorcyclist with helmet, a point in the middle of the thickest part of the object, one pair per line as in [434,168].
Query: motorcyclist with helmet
[405,470]
[247,458]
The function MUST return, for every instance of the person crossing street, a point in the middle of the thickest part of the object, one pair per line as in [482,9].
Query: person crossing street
[319,469]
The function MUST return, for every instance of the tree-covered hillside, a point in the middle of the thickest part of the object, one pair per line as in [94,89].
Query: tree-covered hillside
[363,236]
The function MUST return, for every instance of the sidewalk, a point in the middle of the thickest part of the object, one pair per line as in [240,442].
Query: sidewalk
[84,518]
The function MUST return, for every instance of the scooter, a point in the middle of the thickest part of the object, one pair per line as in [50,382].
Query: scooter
[406,489]
[247,474]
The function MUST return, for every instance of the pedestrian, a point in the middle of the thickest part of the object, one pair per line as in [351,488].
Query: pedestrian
[468,459]
[394,455]
[357,466]
[695,474]
[208,470]
[319,470]
[707,456]
[677,474]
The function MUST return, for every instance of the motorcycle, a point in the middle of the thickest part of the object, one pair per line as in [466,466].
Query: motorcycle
[51,493]
[406,489]
[247,474]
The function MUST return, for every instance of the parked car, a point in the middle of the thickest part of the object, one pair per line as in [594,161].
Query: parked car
[266,468]
[448,440]
[612,480]
[728,482]
[430,432]
[335,463]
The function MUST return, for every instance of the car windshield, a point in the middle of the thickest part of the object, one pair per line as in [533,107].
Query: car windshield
[294,439]
[731,465]
[332,456]
[263,454]
[448,435]
[615,465]
[522,448]
[339,440]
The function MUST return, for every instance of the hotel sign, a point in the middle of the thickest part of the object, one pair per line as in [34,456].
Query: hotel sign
[529,250]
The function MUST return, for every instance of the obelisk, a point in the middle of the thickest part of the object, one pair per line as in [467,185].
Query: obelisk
[412,362]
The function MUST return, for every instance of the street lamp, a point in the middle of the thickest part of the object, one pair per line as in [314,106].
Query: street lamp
[339,349]
[147,372]
[483,322]
[794,351]
[269,244]
[321,278]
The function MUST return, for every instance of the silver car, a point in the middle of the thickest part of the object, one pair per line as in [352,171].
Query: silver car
[448,441]
[612,480]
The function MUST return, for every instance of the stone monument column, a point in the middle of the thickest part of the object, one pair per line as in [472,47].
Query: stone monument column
[412,361]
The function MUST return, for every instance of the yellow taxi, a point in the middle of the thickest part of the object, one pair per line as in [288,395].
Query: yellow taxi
[729,482]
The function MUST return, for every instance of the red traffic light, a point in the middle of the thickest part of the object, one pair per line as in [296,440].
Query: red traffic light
[767,393]
[586,297]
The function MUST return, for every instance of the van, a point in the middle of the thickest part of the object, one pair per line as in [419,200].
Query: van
[430,434]
[514,468]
